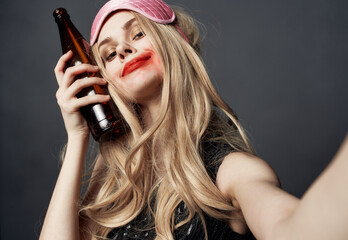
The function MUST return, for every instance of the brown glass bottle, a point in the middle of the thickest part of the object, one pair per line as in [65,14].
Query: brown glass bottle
[104,120]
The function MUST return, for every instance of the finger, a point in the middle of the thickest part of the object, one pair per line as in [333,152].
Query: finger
[59,69]
[80,84]
[72,72]
[75,104]
[91,99]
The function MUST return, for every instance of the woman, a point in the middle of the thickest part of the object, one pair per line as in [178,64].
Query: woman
[185,170]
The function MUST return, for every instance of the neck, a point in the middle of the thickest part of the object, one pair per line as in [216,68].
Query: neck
[150,111]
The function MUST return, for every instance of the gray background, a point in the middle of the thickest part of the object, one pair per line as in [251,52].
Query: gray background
[281,65]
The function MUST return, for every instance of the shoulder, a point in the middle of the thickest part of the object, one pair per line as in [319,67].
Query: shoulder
[239,169]
[253,187]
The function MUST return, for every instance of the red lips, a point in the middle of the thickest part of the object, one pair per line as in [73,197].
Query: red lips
[135,63]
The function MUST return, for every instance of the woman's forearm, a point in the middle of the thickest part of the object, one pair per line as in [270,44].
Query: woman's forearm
[61,221]
[323,210]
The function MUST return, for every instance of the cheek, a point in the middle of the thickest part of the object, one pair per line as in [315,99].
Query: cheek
[115,74]
[113,71]
[157,67]
[155,60]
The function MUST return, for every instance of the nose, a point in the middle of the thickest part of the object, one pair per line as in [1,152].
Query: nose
[124,50]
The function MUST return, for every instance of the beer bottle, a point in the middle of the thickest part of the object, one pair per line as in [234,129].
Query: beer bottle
[104,119]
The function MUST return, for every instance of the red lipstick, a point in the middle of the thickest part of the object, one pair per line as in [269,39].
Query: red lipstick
[135,63]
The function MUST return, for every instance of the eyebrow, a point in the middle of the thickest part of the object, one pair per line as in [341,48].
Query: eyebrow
[128,24]
[125,27]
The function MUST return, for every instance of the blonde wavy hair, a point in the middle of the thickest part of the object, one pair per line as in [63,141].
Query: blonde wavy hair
[131,176]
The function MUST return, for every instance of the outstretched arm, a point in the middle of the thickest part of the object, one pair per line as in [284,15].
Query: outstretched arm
[323,210]
[274,214]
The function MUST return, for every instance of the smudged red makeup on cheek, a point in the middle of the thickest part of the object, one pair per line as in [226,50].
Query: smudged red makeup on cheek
[143,79]
[154,75]
[157,66]
[139,66]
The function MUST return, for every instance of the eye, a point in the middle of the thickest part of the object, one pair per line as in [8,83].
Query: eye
[138,35]
[110,56]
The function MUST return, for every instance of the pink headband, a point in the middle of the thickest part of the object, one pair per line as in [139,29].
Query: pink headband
[155,10]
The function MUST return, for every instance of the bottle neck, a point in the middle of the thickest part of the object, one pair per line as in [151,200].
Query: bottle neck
[71,38]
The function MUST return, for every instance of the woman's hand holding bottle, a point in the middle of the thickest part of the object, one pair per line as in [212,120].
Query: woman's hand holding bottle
[69,104]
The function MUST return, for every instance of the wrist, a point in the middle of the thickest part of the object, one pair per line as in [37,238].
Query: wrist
[76,148]
[78,137]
